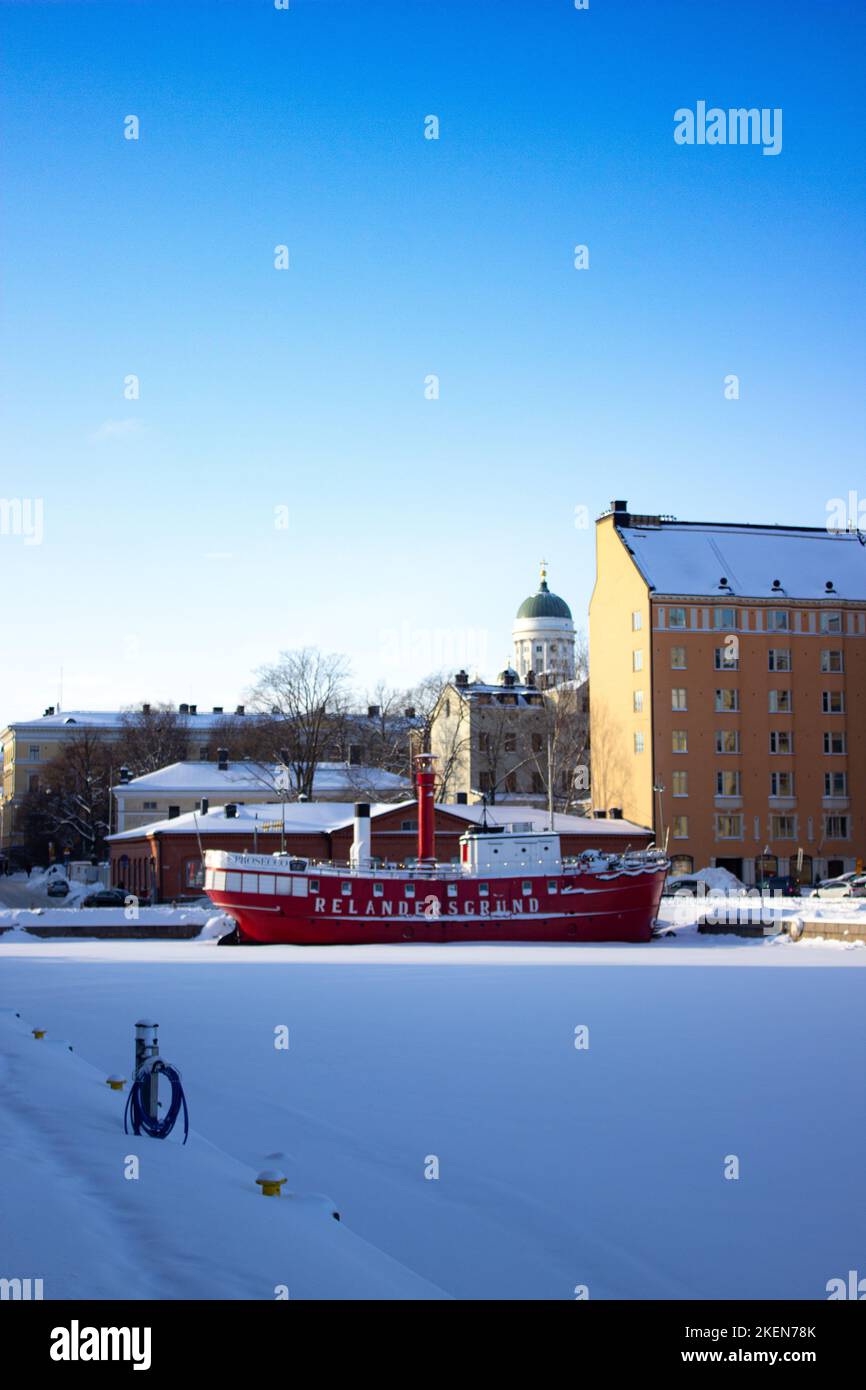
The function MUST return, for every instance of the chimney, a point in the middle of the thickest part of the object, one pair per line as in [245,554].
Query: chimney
[50,710]
[124,775]
[217,709]
[461,678]
[619,507]
[359,854]
[222,759]
[284,757]
[373,711]
[462,798]
[203,805]
[231,810]
[409,712]
[239,709]
[193,709]
[183,709]
[145,709]
[600,815]
[615,813]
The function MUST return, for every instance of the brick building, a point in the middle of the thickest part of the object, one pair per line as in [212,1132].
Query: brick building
[164,860]
[728,699]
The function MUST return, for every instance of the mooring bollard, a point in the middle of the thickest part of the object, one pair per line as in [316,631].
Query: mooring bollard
[146,1050]
[116,1083]
[270,1182]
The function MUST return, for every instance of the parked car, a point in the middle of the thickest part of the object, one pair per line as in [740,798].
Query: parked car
[786,885]
[845,886]
[106,897]
[57,887]
[684,883]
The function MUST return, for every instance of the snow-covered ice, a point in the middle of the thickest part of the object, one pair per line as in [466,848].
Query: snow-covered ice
[558,1166]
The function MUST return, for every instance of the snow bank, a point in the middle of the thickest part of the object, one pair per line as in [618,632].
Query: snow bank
[192,1224]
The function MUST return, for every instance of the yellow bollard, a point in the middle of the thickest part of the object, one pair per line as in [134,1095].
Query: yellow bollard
[39,1032]
[270,1182]
[116,1083]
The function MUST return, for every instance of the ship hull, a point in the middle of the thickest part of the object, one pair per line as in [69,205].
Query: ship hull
[330,910]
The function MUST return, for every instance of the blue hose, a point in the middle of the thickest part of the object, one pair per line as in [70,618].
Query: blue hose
[135,1111]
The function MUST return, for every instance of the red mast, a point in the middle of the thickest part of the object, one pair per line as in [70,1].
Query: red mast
[425,778]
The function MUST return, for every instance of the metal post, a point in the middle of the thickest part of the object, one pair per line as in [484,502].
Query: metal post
[146,1048]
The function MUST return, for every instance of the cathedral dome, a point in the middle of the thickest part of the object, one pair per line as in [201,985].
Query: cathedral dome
[544,604]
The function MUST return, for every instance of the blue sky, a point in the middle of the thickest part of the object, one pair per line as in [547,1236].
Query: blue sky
[415,527]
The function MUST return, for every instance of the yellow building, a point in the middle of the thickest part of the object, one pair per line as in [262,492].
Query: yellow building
[728,691]
[29,746]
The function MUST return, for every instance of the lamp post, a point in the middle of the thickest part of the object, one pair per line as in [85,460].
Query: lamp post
[658,788]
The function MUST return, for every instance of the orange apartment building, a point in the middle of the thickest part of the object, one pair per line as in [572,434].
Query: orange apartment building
[728,691]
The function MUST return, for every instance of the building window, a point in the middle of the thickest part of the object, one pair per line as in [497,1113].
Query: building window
[766,866]
[724,617]
[831,661]
[638,743]
[680,828]
[727,784]
[536,743]
[203,753]
[778,620]
[148,805]
[836,827]
[33,753]
[783,827]
[725,660]
[173,812]
[779,659]
[781,741]
[636,620]
[537,783]
[638,701]
[637,660]
[679,741]
[33,782]
[833,701]
[727,740]
[678,658]
[676,617]
[682,864]
[781,702]
[835,784]
[830,622]
[729,827]
[511,782]
[411,824]
[511,743]
[781,784]
[193,873]
[727,701]
[835,742]
[678,698]
[680,783]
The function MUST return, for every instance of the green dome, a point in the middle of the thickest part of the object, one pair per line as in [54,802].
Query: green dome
[544,604]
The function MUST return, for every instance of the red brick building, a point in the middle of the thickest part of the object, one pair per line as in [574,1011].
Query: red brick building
[164,860]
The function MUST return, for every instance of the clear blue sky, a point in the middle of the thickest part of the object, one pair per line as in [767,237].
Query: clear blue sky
[415,526]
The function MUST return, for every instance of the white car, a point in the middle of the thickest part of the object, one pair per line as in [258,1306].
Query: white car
[845,886]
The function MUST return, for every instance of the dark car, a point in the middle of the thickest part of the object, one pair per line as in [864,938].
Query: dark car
[57,888]
[783,884]
[106,897]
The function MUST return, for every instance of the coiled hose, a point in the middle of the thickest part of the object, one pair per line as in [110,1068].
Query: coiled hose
[142,1122]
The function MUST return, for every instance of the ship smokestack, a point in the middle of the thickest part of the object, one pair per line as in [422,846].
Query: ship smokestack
[359,854]
[426,778]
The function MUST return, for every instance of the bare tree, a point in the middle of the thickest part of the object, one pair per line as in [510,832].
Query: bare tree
[304,694]
[69,809]
[151,737]
[562,757]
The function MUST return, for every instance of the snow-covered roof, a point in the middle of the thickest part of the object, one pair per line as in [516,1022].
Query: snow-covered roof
[317,817]
[200,778]
[113,719]
[693,557]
